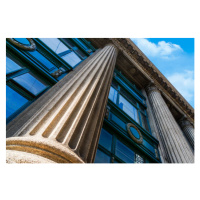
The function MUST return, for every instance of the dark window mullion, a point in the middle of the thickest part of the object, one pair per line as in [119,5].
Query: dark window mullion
[21,90]
[17,73]
[65,52]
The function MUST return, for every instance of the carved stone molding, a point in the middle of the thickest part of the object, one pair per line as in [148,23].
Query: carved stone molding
[137,140]
[30,47]
[140,57]
[126,45]
[183,122]
[150,88]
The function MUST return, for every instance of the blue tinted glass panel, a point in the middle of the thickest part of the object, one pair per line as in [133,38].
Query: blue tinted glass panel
[113,95]
[14,101]
[42,59]
[55,44]
[71,58]
[11,65]
[22,41]
[101,157]
[118,121]
[128,108]
[144,122]
[31,83]
[82,44]
[149,146]
[134,132]
[135,94]
[124,153]
[105,139]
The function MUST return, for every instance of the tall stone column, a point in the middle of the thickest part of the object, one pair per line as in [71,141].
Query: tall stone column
[177,148]
[188,130]
[64,125]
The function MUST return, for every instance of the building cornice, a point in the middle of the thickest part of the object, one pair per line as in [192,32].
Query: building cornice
[126,46]
[158,78]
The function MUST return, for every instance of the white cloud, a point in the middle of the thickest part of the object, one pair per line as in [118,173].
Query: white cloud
[162,49]
[184,83]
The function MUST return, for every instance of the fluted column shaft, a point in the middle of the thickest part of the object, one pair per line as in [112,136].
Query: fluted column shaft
[188,130]
[177,148]
[67,125]
[154,129]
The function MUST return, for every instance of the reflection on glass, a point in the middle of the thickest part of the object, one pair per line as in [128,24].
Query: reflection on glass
[144,122]
[22,41]
[55,44]
[101,157]
[80,53]
[113,95]
[14,101]
[128,108]
[31,83]
[128,96]
[11,65]
[105,139]
[139,159]
[124,153]
[148,145]
[71,58]
[42,59]
[69,42]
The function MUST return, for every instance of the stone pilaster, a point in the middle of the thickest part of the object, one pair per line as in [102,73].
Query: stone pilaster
[176,147]
[64,124]
[188,130]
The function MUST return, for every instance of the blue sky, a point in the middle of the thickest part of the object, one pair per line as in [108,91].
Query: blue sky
[174,57]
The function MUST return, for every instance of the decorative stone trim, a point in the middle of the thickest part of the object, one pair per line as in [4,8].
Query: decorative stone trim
[107,112]
[183,122]
[151,88]
[31,47]
[138,141]
[151,69]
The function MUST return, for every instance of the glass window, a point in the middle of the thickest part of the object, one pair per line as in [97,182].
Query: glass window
[14,101]
[80,53]
[139,159]
[22,41]
[128,108]
[113,95]
[71,58]
[124,153]
[42,59]
[11,65]
[144,122]
[55,44]
[69,42]
[30,82]
[148,145]
[128,96]
[105,140]
[101,157]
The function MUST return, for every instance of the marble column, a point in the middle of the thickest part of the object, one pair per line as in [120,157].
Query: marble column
[63,126]
[176,147]
[188,130]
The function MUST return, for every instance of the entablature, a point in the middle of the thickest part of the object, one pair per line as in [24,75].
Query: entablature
[132,62]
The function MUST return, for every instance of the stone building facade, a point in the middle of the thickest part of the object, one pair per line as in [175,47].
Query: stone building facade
[94,100]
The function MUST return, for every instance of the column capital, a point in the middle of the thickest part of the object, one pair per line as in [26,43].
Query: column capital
[113,45]
[151,87]
[184,122]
